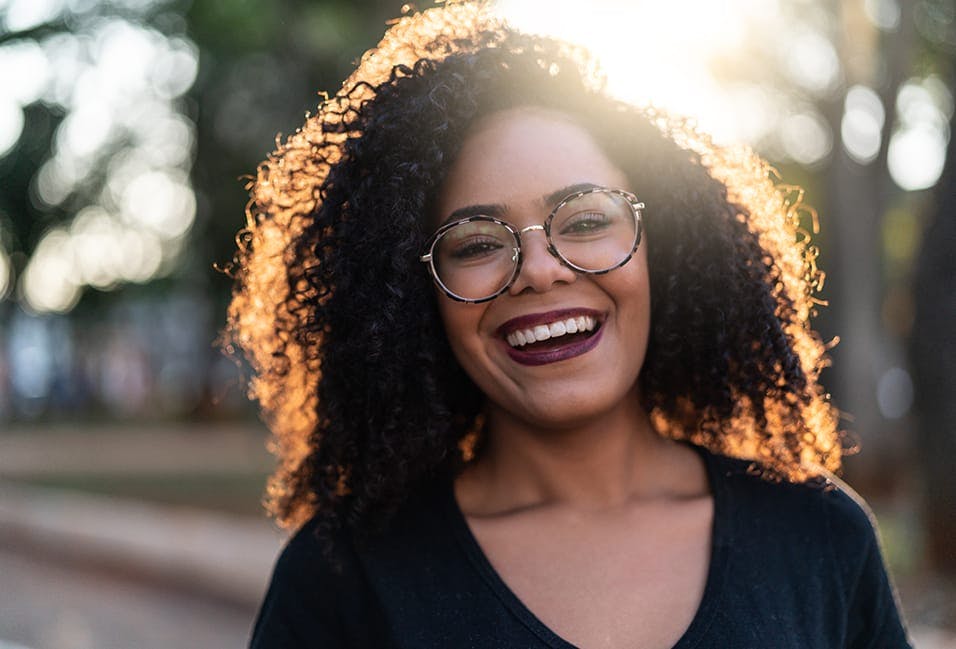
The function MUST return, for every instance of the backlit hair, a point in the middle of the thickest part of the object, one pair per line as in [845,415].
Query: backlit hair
[339,319]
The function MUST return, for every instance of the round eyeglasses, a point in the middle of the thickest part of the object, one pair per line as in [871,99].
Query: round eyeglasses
[476,259]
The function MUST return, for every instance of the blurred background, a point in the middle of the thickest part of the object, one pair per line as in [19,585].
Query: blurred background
[131,465]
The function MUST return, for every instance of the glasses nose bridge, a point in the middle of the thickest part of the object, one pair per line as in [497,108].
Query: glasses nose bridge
[533,228]
[521,256]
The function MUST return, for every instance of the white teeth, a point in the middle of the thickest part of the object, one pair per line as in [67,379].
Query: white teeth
[542,332]
[523,337]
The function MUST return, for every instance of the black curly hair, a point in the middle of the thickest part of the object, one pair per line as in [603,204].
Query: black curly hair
[332,306]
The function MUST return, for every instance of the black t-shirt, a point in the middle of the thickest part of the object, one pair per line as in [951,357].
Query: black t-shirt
[791,566]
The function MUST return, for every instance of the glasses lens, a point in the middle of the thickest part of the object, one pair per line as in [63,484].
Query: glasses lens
[476,259]
[596,231]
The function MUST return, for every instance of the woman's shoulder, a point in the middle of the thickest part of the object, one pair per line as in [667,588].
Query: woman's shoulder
[813,546]
[313,593]
[745,478]
[339,589]
[316,555]
[824,510]
[323,586]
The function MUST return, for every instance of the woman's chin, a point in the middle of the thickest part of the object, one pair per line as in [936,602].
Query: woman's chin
[566,405]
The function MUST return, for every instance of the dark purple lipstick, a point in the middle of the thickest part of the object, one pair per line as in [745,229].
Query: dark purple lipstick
[553,349]
[557,352]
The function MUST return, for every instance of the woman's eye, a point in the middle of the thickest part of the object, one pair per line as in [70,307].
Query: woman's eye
[586,223]
[475,249]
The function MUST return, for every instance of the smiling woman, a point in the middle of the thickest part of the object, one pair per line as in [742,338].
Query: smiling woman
[524,161]
[540,371]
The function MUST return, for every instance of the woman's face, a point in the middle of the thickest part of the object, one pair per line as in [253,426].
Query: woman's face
[522,162]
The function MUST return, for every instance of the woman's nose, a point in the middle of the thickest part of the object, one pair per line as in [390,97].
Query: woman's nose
[540,269]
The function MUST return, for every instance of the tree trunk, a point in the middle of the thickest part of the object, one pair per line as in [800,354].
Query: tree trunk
[933,357]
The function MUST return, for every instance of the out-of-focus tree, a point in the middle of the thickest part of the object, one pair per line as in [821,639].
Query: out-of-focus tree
[934,362]
[262,68]
[933,343]
[127,124]
[125,129]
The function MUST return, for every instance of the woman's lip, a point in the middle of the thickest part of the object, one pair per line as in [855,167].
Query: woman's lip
[533,319]
[576,348]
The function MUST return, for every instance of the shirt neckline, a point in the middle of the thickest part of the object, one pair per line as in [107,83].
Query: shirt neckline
[721,541]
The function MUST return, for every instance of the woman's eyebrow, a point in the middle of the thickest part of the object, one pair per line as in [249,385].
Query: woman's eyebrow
[490,209]
[564,192]
[498,210]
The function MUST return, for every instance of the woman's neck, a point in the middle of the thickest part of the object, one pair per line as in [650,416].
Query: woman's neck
[602,463]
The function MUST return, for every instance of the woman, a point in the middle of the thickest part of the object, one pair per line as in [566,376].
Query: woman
[509,333]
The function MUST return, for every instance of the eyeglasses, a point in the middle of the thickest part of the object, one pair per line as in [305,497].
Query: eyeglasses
[476,259]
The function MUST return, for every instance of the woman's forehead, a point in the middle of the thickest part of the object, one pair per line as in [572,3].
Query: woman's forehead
[522,156]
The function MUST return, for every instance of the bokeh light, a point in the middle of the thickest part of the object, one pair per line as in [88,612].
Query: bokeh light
[895,393]
[4,273]
[11,125]
[49,282]
[26,14]
[806,137]
[861,129]
[25,72]
[917,149]
[812,61]
[119,84]
[885,14]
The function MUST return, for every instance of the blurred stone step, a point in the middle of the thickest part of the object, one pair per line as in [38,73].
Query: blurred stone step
[223,555]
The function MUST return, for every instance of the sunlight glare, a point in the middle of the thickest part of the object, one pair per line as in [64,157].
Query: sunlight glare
[654,53]
[757,111]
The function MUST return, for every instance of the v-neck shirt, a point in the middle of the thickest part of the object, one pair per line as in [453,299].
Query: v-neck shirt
[791,565]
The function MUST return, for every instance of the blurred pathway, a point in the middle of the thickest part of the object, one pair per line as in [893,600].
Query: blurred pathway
[84,571]
[119,449]
[49,605]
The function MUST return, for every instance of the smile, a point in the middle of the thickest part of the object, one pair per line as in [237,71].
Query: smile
[541,332]
[544,338]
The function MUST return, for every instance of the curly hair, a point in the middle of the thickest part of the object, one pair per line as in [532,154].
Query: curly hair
[331,305]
